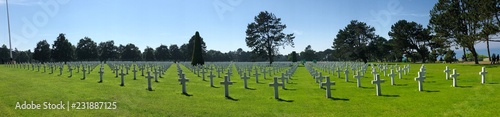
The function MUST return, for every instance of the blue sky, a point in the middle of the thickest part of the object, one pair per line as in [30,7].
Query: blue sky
[222,23]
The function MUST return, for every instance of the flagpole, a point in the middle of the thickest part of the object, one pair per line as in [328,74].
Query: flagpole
[8,25]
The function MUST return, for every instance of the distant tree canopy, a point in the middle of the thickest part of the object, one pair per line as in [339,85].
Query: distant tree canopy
[149,54]
[162,53]
[41,52]
[265,35]
[197,57]
[308,54]
[131,53]
[352,41]
[62,50]
[86,50]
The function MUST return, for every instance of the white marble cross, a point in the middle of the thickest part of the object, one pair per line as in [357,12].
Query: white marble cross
[328,84]
[338,72]
[83,71]
[454,77]
[420,80]
[392,76]
[156,74]
[400,72]
[275,84]
[346,72]
[211,76]
[203,73]
[283,78]
[183,81]
[447,71]
[149,77]
[245,78]
[122,78]
[116,71]
[377,82]
[100,75]
[256,75]
[319,78]
[134,70]
[226,84]
[483,75]
[358,78]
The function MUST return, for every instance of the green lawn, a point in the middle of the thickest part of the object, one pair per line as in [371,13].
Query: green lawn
[304,97]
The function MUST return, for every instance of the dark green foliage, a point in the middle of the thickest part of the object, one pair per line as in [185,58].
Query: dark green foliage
[449,57]
[265,35]
[308,54]
[4,54]
[149,54]
[86,50]
[41,52]
[197,50]
[162,53]
[410,37]
[351,42]
[130,53]
[62,50]
[175,52]
[294,56]
[107,50]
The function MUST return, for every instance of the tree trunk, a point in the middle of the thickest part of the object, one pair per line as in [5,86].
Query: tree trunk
[474,54]
[488,47]
[465,54]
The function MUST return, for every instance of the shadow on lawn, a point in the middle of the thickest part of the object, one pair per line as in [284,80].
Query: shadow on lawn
[431,91]
[430,81]
[214,87]
[400,84]
[493,83]
[284,100]
[341,99]
[231,98]
[385,95]
[464,86]
[250,88]
[290,89]
[330,88]
[186,94]
[368,87]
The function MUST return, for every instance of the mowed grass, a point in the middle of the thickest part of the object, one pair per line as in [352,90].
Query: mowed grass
[303,97]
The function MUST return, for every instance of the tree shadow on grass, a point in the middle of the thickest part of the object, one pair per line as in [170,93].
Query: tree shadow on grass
[231,98]
[386,95]
[431,91]
[400,84]
[284,100]
[341,99]
[186,94]
[249,88]
[430,81]
[368,87]
[464,86]
[330,88]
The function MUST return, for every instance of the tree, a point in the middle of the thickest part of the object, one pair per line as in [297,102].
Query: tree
[86,50]
[131,53]
[185,53]
[294,56]
[265,35]
[149,54]
[162,53]
[62,50]
[107,50]
[197,57]
[411,36]
[41,52]
[379,49]
[352,41]
[190,46]
[460,20]
[308,54]
[449,56]
[4,54]
[23,56]
[175,52]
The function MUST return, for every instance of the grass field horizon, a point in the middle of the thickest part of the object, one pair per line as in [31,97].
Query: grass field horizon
[303,97]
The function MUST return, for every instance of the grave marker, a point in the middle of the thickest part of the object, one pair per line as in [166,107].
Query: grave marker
[454,77]
[483,74]
[123,80]
[149,77]
[358,78]
[447,71]
[183,81]
[392,76]
[275,84]
[328,84]
[420,80]
[245,78]
[377,82]
[226,84]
